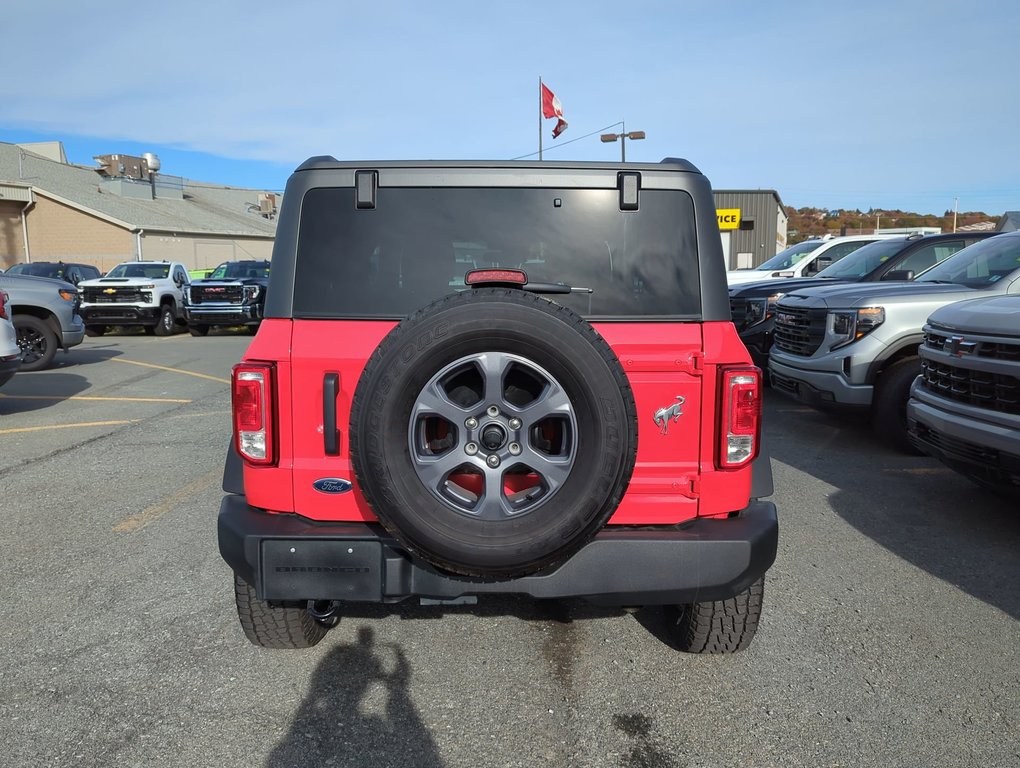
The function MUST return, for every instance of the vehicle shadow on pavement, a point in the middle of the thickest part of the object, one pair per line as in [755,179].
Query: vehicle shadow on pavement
[79,356]
[43,389]
[358,713]
[915,507]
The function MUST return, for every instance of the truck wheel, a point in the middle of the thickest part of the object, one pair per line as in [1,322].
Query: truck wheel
[37,342]
[276,624]
[890,410]
[493,433]
[96,330]
[166,324]
[721,626]
[198,330]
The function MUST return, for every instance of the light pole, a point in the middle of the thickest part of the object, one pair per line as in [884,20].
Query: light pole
[633,135]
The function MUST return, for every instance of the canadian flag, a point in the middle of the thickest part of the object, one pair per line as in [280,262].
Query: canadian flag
[551,107]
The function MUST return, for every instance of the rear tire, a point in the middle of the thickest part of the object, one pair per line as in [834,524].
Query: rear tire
[276,624]
[720,626]
[198,330]
[37,342]
[96,330]
[890,411]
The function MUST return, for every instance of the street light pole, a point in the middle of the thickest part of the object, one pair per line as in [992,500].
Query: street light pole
[633,136]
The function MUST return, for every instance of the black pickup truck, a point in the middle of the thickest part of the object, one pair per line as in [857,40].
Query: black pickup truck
[233,294]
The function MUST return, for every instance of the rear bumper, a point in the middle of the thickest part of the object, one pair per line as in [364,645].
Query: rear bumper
[8,367]
[287,557]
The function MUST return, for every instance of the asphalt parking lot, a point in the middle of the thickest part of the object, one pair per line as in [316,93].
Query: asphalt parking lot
[890,635]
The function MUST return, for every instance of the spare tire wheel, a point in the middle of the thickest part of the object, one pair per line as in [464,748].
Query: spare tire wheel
[493,433]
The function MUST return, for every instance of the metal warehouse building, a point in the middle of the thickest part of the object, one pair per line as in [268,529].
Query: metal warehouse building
[53,210]
[752,224]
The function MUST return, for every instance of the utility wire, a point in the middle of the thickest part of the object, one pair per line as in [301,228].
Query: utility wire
[557,146]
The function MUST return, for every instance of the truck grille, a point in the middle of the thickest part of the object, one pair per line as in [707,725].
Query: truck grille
[217,294]
[991,391]
[112,295]
[993,350]
[799,331]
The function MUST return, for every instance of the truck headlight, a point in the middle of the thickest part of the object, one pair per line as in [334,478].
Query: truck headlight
[250,292]
[847,327]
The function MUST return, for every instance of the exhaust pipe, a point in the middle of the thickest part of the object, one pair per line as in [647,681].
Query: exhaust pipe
[325,611]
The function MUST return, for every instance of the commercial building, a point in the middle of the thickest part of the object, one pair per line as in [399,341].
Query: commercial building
[123,209]
[752,224]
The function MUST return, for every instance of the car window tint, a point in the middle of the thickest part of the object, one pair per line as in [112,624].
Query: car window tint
[417,245]
[930,255]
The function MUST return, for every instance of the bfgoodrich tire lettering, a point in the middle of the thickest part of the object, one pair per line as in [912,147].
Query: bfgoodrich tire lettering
[554,350]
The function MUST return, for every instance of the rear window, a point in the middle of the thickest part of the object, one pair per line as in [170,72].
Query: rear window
[417,245]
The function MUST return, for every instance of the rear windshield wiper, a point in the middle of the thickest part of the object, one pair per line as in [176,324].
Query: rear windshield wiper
[554,288]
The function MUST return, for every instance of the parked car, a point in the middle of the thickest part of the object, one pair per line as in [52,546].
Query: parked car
[855,346]
[964,408]
[145,293]
[234,294]
[481,378]
[753,305]
[72,272]
[804,259]
[10,353]
[45,316]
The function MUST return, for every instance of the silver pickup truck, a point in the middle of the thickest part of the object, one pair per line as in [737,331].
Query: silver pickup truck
[964,408]
[45,315]
[854,347]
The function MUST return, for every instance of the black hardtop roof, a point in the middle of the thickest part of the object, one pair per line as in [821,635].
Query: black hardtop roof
[328,162]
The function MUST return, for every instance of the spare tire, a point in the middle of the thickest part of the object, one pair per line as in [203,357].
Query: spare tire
[493,433]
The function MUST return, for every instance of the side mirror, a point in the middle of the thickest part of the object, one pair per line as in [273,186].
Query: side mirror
[899,274]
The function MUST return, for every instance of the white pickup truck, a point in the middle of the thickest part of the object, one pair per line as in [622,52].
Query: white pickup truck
[145,293]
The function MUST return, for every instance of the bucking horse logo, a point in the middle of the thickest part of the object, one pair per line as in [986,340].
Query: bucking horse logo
[664,416]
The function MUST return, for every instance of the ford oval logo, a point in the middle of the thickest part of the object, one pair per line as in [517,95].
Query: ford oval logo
[332,485]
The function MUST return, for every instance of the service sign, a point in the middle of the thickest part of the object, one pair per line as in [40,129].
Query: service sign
[729,218]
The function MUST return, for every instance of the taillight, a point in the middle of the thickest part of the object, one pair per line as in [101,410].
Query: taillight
[3,305]
[739,416]
[252,396]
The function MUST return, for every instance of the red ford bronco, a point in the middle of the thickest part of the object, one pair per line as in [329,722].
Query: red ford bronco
[497,377]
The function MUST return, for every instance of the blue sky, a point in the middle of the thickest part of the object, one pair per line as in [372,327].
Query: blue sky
[840,105]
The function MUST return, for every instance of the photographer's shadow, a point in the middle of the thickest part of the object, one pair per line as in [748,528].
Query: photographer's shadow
[358,713]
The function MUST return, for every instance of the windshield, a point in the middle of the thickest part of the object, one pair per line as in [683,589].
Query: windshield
[789,257]
[981,265]
[418,243]
[865,259]
[38,270]
[147,271]
[232,270]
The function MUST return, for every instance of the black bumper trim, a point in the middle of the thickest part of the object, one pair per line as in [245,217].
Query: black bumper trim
[115,314]
[287,557]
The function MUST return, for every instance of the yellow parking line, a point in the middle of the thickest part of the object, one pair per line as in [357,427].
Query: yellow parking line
[154,512]
[81,425]
[172,370]
[98,398]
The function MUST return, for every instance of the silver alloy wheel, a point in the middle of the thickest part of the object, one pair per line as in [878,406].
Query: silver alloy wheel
[493,435]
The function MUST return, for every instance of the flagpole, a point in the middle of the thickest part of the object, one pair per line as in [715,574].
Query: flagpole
[539,117]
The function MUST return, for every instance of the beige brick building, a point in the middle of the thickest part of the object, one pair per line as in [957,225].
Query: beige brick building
[53,210]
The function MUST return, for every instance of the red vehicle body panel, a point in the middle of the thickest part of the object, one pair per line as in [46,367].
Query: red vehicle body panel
[675,468]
